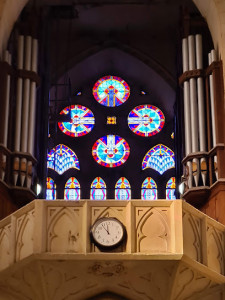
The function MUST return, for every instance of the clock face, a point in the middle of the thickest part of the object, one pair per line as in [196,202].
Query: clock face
[107,232]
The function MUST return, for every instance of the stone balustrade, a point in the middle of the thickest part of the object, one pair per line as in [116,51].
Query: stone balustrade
[170,245]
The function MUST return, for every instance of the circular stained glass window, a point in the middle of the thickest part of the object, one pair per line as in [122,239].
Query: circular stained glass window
[82,120]
[111,91]
[146,120]
[111,151]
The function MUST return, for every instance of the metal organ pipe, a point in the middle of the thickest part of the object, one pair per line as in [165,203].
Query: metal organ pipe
[212,58]
[27,65]
[187,113]
[200,89]
[7,58]
[19,93]
[193,95]
[31,132]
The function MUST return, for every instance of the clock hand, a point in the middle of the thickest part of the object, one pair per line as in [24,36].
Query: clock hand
[106,229]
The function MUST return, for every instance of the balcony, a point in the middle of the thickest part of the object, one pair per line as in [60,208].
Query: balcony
[172,252]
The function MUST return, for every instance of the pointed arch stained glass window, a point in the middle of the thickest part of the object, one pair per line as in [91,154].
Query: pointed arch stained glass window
[72,189]
[61,158]
[149,189]
[111,151]
[51,189]
[146,120]
[122,189]
[111,91]
[170,189]
[81,123]
[98,189]
[159,158]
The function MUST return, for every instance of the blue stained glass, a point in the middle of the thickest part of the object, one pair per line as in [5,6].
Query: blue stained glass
[122,189]
[61,158]
[98,189]
[146,120]
[72,189]
[110,151]
[111,91]
[51,189]
[159,158]
[170,189]
[149,189]
[81,123]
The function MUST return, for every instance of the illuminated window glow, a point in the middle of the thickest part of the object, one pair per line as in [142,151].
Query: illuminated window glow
[111,151]
[149,189]
[159,158]
[170,189]
[82,121]
[146,120]
[50,189]
[72,189]
[111,91]
[61,158]
[122,189]
[98,189]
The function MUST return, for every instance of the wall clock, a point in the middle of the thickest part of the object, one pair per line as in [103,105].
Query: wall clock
[108,233]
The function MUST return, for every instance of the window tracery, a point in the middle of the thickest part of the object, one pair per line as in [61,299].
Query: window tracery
[61,158]
[72,189]
[149,189]
[122,189]
[98,189]
[159,158]
[51,189]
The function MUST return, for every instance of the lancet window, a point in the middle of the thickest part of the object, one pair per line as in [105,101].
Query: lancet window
[72,189]
[98,189]
[122,189]
[51,189]
[149,189]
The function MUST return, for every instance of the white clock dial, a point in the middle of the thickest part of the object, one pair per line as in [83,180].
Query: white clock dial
[107,232]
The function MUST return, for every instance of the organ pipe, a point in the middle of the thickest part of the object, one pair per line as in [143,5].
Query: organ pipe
[193,95]
[212,58]
[19,94]
[7,58]
[24,134]
[187,113]
[200,89]
[31,132]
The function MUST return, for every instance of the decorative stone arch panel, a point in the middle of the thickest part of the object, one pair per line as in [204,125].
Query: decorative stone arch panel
[153,232]
[64,232]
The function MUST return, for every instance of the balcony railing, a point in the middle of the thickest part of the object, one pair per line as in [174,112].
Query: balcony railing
[182,248]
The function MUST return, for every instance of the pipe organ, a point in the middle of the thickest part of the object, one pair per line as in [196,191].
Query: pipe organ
[202,102]
[18,112]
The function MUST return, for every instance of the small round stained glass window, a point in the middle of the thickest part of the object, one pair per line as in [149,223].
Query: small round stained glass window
[81,120]
[146,120]
[111,91]
[110,151]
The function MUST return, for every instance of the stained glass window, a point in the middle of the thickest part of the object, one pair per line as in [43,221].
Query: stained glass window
[111,151]
[72,189]
[149,189]
[82,121]
[170,189]
[111,91]
[122,189]
[98,189]
[146,120]
[159,158]
[51,189]
[61,158]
